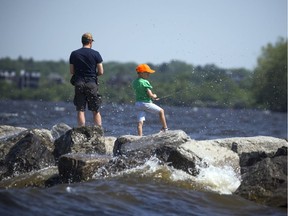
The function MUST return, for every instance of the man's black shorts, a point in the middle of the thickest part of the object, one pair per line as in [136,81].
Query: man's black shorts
[87,93]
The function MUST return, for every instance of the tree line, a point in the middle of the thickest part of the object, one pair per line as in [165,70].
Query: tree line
[176,82]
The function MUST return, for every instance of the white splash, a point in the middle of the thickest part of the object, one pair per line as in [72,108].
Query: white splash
[180,175]
[70,189]
[223,180]
[152,165]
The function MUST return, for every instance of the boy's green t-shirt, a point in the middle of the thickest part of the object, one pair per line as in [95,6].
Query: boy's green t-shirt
[140,87]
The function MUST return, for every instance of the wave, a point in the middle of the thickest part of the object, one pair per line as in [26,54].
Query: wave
[222,180]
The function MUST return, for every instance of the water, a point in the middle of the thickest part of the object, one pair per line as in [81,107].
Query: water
[198,123]
[151,189]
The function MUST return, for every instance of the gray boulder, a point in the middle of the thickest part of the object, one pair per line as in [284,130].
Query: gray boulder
[80,167]
[264,177]
[9,135]
[209,152]
[131,152]
[135,143]
[59,129]
[88,140]
[84,153]
[40,178]
[251,144]
[7,131]
[32,151]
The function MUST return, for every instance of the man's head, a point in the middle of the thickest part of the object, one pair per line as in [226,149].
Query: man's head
[87,38]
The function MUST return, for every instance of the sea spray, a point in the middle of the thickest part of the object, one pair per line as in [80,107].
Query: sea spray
[222,180]
[214,172]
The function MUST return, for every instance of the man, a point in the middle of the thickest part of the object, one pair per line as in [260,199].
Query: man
[86,65]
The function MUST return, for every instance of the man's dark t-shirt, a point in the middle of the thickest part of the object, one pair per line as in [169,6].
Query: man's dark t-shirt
[85,62]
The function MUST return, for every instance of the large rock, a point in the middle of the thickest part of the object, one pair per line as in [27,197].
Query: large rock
[59,129]
[41,178]
[88,140]
[133,151]
[80,167]
[117,148]
[251,144]
[261,161]
[33,151]
[9,135]
[146,143]
[7,131]
[264,177]
[84,153]
[210,153]
[23,151]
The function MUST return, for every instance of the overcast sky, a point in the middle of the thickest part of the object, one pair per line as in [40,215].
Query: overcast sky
[227,33]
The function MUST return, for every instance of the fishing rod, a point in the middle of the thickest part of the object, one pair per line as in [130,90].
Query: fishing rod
[172,94]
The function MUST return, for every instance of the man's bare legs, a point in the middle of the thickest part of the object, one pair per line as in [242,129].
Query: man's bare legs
[81,118]
[96,118]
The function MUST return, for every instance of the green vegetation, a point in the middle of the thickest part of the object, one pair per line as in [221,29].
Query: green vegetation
[270,77]
[176,82]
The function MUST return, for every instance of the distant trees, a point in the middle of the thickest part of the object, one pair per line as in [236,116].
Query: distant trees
[176,82]
[270,77]
[201,86]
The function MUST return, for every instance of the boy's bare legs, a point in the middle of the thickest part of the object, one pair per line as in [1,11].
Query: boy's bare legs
[81,118]
[163,119]
[139,128]
[97,118]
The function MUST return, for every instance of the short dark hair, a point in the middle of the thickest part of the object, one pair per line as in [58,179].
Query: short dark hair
[86,38]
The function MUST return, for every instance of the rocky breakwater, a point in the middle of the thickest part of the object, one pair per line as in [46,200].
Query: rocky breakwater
[42,158]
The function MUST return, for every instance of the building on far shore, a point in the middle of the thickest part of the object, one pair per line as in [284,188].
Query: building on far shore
[28,79]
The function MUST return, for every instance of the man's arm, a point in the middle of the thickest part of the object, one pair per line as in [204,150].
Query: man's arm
[100,69]
[72,71]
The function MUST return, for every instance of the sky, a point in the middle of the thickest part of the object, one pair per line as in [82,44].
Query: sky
[227,33]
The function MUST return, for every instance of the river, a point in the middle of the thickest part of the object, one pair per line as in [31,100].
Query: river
[149,190]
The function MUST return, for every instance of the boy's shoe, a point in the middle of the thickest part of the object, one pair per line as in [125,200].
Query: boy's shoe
[164,129]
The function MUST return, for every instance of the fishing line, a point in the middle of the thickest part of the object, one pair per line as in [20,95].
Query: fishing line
[175,93]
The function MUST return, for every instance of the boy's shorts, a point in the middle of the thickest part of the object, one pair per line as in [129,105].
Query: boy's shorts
[142,107]
[87,93]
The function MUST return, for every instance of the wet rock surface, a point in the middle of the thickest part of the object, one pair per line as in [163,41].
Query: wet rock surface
[42,158]
[88,140]
[264,177]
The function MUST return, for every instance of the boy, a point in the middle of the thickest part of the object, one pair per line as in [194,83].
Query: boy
[144,96]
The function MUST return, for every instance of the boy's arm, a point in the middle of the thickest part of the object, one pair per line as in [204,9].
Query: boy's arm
[151,95]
